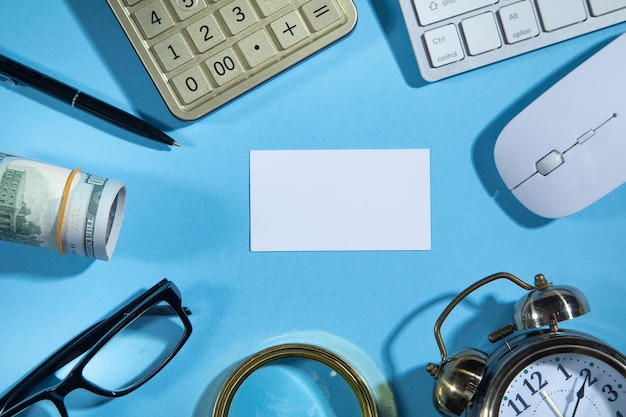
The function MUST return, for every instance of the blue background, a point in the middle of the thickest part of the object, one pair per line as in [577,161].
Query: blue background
[187,215]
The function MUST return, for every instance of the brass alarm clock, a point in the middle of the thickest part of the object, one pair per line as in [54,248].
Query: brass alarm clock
[539,369]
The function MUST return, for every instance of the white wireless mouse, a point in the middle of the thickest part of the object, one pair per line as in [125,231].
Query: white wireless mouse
[567,149]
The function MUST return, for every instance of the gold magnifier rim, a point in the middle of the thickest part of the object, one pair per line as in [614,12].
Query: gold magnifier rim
[325,356]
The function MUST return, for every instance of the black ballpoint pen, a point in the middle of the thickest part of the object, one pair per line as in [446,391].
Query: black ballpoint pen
[22,74]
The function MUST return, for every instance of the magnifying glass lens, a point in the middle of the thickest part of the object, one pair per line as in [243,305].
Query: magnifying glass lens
[295,387]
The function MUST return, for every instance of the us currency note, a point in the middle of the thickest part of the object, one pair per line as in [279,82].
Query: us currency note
[58,208]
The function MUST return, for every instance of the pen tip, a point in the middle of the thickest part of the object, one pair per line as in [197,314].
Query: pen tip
[175,143]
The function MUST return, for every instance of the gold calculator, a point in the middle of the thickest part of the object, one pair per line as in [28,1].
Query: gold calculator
[202,54]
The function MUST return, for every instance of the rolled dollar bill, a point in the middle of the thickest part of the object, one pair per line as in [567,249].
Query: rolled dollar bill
[58,208]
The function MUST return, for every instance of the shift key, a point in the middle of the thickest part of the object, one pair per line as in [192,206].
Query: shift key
[431,11]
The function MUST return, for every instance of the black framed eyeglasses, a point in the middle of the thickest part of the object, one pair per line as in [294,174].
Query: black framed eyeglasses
[111,358]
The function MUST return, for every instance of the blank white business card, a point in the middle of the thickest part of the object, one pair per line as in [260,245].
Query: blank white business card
[340,200]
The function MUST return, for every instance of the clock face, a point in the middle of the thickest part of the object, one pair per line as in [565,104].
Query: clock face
[566,384]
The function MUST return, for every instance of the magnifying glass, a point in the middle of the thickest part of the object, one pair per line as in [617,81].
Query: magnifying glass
[295,380]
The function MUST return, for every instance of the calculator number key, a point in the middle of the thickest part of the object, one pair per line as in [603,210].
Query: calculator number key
[172,52]
[187,8]
[154,19]
[205,33]
[238,16]
[224,66]
[191,85]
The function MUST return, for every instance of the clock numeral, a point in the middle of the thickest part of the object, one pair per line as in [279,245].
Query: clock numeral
[564,371]
[608,388]
[586,372]
[514,406]
[541,384]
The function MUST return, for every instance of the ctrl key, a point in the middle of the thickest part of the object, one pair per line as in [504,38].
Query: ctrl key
[443,45]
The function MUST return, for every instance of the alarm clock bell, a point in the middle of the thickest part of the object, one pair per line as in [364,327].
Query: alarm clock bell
[459,376]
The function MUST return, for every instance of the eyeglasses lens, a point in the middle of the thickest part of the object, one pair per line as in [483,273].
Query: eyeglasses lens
[137,351]
[40,409]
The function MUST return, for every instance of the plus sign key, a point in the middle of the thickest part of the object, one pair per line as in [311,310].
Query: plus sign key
[289,29]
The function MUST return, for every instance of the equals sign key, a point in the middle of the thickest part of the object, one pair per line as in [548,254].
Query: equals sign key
[322,10]
[321,13]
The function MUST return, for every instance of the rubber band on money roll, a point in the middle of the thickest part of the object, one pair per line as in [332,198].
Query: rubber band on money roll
[64,200]
[365,394]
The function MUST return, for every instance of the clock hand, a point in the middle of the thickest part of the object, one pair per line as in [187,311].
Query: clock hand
[551,404]
[579,395]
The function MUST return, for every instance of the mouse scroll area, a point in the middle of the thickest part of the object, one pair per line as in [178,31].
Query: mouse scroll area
[554,158]
[549,163]
[568,180]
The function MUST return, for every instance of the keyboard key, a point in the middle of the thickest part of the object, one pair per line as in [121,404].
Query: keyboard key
[556,14]
[172,52]
[321,13]
[154,19]
[289,30]
[191,85]
[521,26]
[224,66]
[238,16]
[518,21]
[431,11]
[269,7]
[444,45]
[257,48]
[600,7]
[205,33]
[481,33]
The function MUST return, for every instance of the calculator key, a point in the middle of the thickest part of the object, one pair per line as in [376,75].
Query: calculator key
[224,66]
[187,8]
[238,15]
[191,85]
[132,2]
[518,21]
[257,48]
[269,7]
[205,33]
[481,33]
[321,13]
[154,19]
[600,7]
[556,14]
[172,52]
[289,30]
[431,11]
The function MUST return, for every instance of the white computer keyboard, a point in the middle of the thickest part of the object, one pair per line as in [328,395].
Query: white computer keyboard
[454,36]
